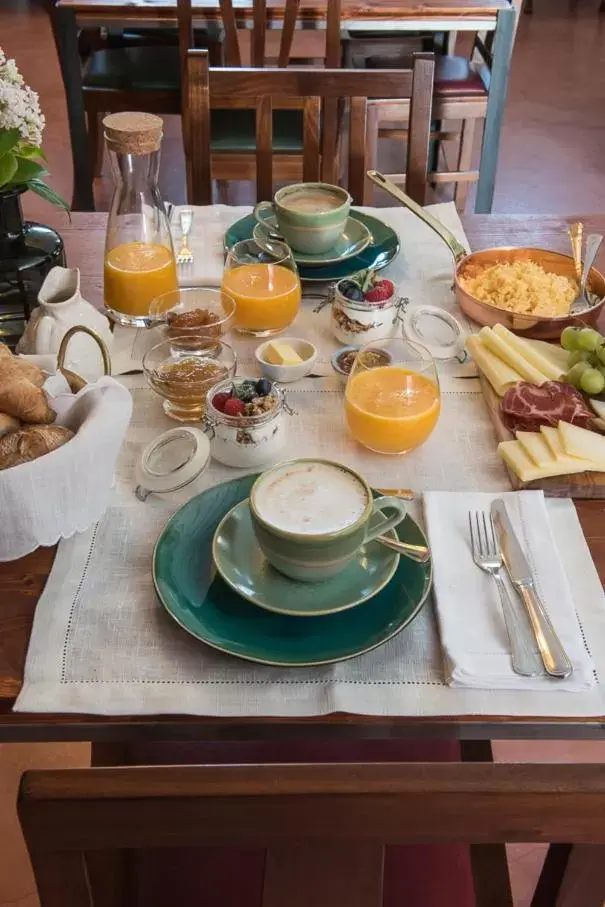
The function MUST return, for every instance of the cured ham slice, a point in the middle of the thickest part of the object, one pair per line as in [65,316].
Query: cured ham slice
[525,407]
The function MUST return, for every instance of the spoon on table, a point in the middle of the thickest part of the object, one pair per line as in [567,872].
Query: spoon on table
[583,302]
[418,553]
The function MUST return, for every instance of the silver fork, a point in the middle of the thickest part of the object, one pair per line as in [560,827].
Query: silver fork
[486,555]
[185,255]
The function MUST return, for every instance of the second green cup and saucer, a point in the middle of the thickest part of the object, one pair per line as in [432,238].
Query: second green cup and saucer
[354,238]
[243,566]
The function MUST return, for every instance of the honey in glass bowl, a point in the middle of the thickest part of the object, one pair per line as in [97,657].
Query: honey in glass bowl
[193,312]
[183,369]
[392,408]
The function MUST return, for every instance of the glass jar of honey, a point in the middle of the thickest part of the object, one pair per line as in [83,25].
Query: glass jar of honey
[139,259]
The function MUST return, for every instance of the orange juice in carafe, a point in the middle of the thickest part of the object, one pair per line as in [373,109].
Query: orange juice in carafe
[135,273]
[267,296]
[139,260]
[391,409]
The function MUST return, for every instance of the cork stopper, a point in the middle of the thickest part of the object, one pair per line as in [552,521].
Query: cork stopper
[133,133]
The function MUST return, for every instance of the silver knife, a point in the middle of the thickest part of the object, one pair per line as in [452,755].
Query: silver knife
[556,662]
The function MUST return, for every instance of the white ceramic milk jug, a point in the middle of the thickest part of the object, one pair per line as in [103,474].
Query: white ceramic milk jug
[62,307]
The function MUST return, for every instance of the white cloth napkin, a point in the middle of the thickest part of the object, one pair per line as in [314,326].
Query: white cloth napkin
[205,242]
[473,634]
[66,490]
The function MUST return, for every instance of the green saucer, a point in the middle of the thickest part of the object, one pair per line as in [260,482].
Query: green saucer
[240,561]
[382,250]
[196,597]
[354,239]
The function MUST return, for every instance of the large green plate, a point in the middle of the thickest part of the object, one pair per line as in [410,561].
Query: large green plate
[377,255]
[196,597]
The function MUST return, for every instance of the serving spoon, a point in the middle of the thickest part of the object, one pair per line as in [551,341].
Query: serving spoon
[582,302]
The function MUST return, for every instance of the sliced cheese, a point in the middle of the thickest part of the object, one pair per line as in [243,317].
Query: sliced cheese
[583,443]
[555,354]
[535,446]
[500,375]
[509,354]
[517,459]
[532,355]
[553,439]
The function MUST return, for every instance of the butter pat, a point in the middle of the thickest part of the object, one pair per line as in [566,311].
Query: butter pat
[278,353]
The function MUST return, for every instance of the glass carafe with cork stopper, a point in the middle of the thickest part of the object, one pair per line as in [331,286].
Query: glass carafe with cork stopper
[139,256]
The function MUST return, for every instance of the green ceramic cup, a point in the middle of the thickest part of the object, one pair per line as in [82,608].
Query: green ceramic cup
[312,556]
[311,216]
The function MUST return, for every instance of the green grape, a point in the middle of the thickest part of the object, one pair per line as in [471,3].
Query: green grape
[601,353]
[575,373]
[592,381]
[578,356]
[569,337]
[589,339]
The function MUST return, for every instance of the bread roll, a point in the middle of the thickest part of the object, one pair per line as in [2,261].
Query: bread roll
[8,424]
[21,399]
[31,442]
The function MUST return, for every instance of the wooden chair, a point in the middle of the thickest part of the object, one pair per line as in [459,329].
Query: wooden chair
[461,94]
[241,89]
[233,139]
[323,827]
[132,73]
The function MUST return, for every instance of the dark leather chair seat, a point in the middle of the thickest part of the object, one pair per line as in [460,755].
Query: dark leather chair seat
[453,75]
[134,69]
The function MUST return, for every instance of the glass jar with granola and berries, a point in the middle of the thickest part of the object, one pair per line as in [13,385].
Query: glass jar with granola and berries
[244,420]
[365,308]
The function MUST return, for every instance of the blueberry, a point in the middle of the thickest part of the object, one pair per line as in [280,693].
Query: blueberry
[351,290]
[263,387]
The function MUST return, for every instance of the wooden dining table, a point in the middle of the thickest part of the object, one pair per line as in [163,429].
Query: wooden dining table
[22,581]
[490,16]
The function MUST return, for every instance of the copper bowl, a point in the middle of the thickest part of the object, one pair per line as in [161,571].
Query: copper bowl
[543,327]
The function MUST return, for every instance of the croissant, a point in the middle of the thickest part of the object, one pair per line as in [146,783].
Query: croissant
[15,365]
[31,442]
[8,424]
[20,398]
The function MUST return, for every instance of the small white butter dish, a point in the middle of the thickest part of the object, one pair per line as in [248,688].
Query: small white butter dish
[288,373]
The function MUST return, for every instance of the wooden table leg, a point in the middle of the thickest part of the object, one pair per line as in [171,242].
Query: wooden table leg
[503,42]
[488,861]
[66,37]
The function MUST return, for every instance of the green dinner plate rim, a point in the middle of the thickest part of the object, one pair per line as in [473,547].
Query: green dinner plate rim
[285,664]
[328,279]
[301,614]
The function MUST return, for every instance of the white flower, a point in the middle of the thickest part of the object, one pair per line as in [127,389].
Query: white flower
[19,105]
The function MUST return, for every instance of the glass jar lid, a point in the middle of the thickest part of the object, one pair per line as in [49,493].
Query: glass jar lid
[171,461]
[436,330]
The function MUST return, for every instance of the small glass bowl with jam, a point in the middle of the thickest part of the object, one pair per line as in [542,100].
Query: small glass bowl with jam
[245,422]
[183,369]
[193,311]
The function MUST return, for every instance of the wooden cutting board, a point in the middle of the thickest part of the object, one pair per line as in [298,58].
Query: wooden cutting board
[578,485]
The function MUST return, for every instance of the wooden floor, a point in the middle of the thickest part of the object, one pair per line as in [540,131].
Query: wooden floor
[552,160]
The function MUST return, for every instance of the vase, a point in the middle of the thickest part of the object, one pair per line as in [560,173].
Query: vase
[27,253]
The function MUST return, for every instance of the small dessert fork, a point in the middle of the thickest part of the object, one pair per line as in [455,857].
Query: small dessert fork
[185,255]
[486,555]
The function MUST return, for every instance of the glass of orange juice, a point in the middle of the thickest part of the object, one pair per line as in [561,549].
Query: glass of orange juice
[392,397]
[265,286]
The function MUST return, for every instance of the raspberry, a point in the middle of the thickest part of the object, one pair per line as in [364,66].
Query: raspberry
[219,400]
[381,291]
[234,407]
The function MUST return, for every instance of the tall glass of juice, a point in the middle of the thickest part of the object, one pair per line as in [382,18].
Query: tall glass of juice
[265,286]
[392,397]
[139,256]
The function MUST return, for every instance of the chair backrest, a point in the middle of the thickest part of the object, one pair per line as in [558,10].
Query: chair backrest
[311,89]
[258,54]
[298,812]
